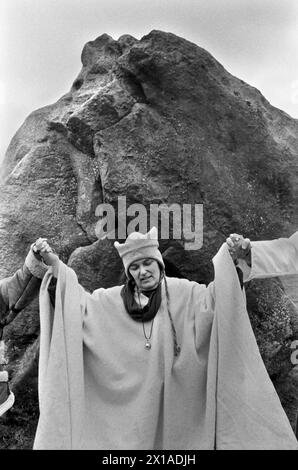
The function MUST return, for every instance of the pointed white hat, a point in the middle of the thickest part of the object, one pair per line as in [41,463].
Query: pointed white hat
[138,246]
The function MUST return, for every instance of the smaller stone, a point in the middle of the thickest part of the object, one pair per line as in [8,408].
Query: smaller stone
[148,345]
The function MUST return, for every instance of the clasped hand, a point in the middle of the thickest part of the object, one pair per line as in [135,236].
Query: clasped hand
[239,247]
[43,251]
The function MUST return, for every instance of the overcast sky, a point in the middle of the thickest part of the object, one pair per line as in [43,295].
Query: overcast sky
[41,43]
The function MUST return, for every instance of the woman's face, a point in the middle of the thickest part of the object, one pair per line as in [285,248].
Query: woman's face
[146,273]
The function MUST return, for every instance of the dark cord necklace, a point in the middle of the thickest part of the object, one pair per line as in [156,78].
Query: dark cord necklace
[148,343]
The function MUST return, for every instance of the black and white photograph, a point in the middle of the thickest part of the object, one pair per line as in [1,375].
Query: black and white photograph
[148,228]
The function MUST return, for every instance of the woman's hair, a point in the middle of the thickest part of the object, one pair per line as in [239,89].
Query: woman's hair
[176,345]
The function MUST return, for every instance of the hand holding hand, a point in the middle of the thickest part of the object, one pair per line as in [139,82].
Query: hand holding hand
[42,250]
[239,247]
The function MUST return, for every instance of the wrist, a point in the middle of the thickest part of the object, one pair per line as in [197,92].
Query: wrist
[247,258]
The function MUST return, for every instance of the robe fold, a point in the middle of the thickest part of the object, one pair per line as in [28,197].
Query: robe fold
[100,388]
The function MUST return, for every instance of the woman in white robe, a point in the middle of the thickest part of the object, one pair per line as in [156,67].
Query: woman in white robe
[188,376]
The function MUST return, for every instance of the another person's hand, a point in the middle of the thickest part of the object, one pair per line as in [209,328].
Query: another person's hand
[239,247]
[43,250]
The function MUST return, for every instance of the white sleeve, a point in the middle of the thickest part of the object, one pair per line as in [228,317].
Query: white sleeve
[274,258]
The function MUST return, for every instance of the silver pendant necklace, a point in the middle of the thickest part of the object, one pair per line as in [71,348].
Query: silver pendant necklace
[148,343]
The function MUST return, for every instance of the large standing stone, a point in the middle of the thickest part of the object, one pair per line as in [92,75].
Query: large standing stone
[157,120]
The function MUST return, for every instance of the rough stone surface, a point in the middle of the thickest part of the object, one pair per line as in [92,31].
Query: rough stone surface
[157,120]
